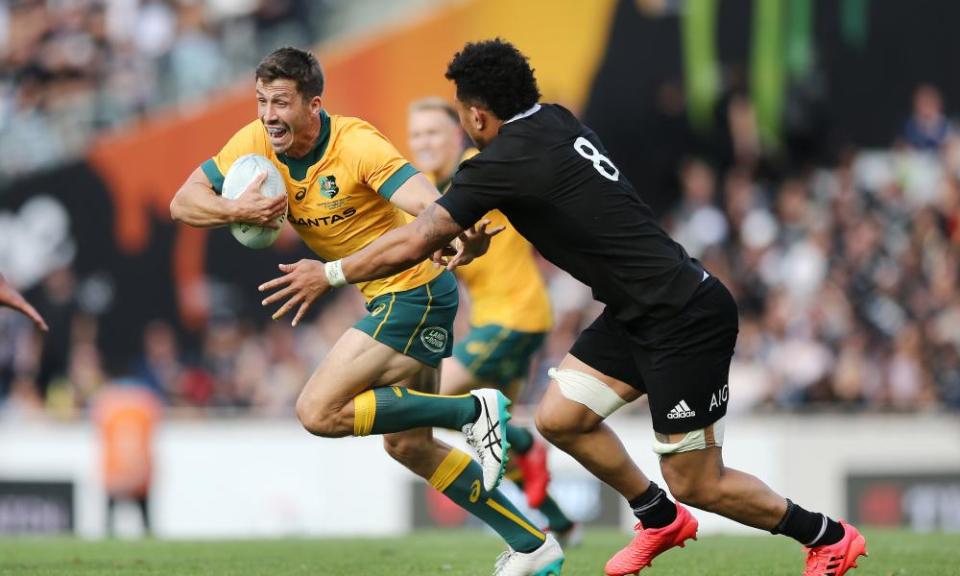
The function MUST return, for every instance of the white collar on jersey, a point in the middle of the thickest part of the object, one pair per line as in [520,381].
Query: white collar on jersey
[533,110]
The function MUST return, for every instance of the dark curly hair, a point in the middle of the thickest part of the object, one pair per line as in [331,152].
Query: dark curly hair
[495,75]
[293,64]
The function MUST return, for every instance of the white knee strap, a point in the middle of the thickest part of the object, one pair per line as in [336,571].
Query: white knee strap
[707,437]
[587,390]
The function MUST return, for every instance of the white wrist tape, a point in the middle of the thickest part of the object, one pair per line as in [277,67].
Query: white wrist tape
[334,272]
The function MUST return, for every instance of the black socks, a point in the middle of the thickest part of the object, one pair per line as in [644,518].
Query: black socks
[808,528]
[653,508]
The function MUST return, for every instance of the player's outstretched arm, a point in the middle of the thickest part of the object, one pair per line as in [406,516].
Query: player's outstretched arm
[403,247]
[429,235]
[10,297]
[418,193]
[307,280]
[197,204]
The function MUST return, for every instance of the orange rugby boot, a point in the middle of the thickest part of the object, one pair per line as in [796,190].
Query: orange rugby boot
[836,559]
[651,542]
[536,476]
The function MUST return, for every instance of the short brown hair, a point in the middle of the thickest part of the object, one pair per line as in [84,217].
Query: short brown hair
[435,103]
[293,64]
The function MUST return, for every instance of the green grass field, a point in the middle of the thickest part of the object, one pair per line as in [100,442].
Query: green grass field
[451,554]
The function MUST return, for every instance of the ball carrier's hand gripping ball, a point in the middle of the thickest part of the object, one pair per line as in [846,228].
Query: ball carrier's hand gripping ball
[239,176]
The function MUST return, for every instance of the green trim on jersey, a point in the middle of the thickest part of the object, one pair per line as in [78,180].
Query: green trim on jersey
[298,166]
[395,181]
[213,175]
[417,322]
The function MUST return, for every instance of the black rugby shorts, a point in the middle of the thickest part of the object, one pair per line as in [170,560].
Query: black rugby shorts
[682,363]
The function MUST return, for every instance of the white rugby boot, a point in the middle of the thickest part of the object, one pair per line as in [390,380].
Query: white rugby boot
[547,560]
[488,435]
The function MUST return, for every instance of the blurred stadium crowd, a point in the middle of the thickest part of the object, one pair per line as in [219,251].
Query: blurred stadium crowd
[71,68]
[846,274]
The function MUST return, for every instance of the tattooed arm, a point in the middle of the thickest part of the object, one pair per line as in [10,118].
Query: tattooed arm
[305,281]
[403,247]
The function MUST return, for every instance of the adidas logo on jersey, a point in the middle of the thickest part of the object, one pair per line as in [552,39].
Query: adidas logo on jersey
[681,410]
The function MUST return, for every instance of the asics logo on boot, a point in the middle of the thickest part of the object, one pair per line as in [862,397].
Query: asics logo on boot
[491,439]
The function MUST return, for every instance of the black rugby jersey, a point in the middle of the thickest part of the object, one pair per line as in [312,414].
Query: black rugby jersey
[551,176]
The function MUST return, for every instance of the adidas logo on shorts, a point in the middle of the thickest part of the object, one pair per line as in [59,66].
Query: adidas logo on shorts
[681,410]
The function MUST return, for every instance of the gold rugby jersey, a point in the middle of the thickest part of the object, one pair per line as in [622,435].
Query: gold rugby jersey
[338,195]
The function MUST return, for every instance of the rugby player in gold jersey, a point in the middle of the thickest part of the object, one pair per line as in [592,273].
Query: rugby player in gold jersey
[346,186]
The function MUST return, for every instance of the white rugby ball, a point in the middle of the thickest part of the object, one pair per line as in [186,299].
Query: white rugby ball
[239,176]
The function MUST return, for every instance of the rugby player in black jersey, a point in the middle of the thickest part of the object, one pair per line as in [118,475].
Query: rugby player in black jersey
[668,329]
